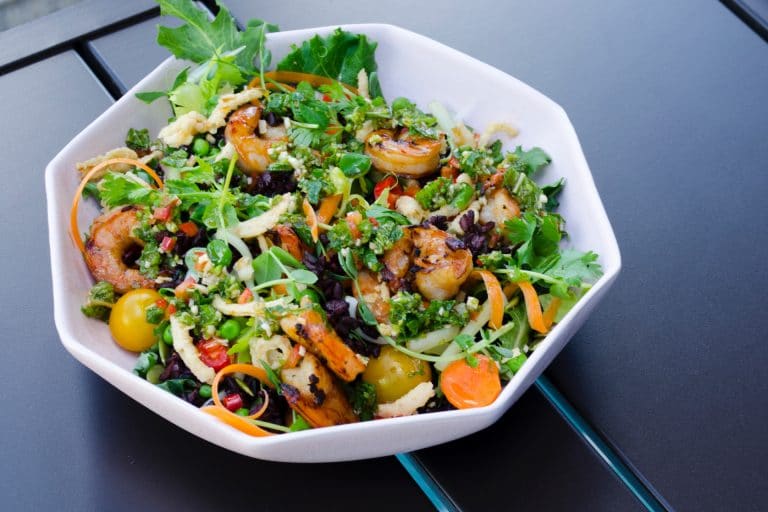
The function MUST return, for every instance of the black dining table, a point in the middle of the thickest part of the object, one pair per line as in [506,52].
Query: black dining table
[659,402]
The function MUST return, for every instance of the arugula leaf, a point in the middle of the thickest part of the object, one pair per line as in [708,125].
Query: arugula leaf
[341,56]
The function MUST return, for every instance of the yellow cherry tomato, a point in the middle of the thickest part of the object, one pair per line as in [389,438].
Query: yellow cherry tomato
[394,374]
[128,320]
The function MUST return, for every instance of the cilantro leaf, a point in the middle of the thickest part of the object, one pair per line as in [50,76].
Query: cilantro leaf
[530,161]
[382,214]
[341,56]
[137,139]
[552,191]
[118,190]
[575,267]
[101,297]
[364,400]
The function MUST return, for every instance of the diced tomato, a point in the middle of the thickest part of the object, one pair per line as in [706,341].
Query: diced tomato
[161,303]
[213,354]
[245,297]
[171,310]
[163,213]
[353,219]
[326,98]
[168,244]
[183,288]
[447,171]
[232,402]
[395,190]
[411,189]
[189,228]
[453,162]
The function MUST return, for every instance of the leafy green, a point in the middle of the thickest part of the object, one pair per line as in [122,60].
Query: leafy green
[410,318]
[178,387]
[480,161]
[435,194]
[572,266]
[364,400]
[299,423]
[118,190]
[341,56]
[154,314]
[200,39]
[529,162]
[354,165]
[407,114]
[552,191]
[137,139]
[101,297]
[383,214]
[146,360]
[316,185]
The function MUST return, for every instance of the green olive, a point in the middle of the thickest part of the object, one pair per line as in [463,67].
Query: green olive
[394,374]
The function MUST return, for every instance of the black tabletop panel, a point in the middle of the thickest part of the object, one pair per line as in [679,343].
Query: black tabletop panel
[670,101]
[119,50]
[530,460]
[71,441]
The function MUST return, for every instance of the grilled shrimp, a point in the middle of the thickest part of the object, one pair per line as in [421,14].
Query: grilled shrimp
[310,330]
[402,154]
[251,148]
[375,295]
[111,236]
[397,261]
[499,208]
[312,391]
[443,265]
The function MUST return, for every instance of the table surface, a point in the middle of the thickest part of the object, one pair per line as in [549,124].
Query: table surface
[669,101]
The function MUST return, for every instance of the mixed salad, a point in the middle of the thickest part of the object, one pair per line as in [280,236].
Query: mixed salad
[294,251]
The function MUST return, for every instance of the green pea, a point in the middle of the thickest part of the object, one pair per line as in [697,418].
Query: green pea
[463,197]
[204,391]
[201,147]
[167,336]
[230,329]
[312,294]
[219,252]
[242,412]
[153,374]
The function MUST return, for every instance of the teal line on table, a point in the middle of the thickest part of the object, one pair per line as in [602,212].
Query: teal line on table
[427,483]
[599,446]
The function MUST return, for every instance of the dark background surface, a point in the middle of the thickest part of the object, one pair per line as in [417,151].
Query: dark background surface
[670,103]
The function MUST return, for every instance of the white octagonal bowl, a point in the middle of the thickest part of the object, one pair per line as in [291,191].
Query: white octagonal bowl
[409,65]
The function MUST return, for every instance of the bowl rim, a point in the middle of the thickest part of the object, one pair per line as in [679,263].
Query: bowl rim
[121,377]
